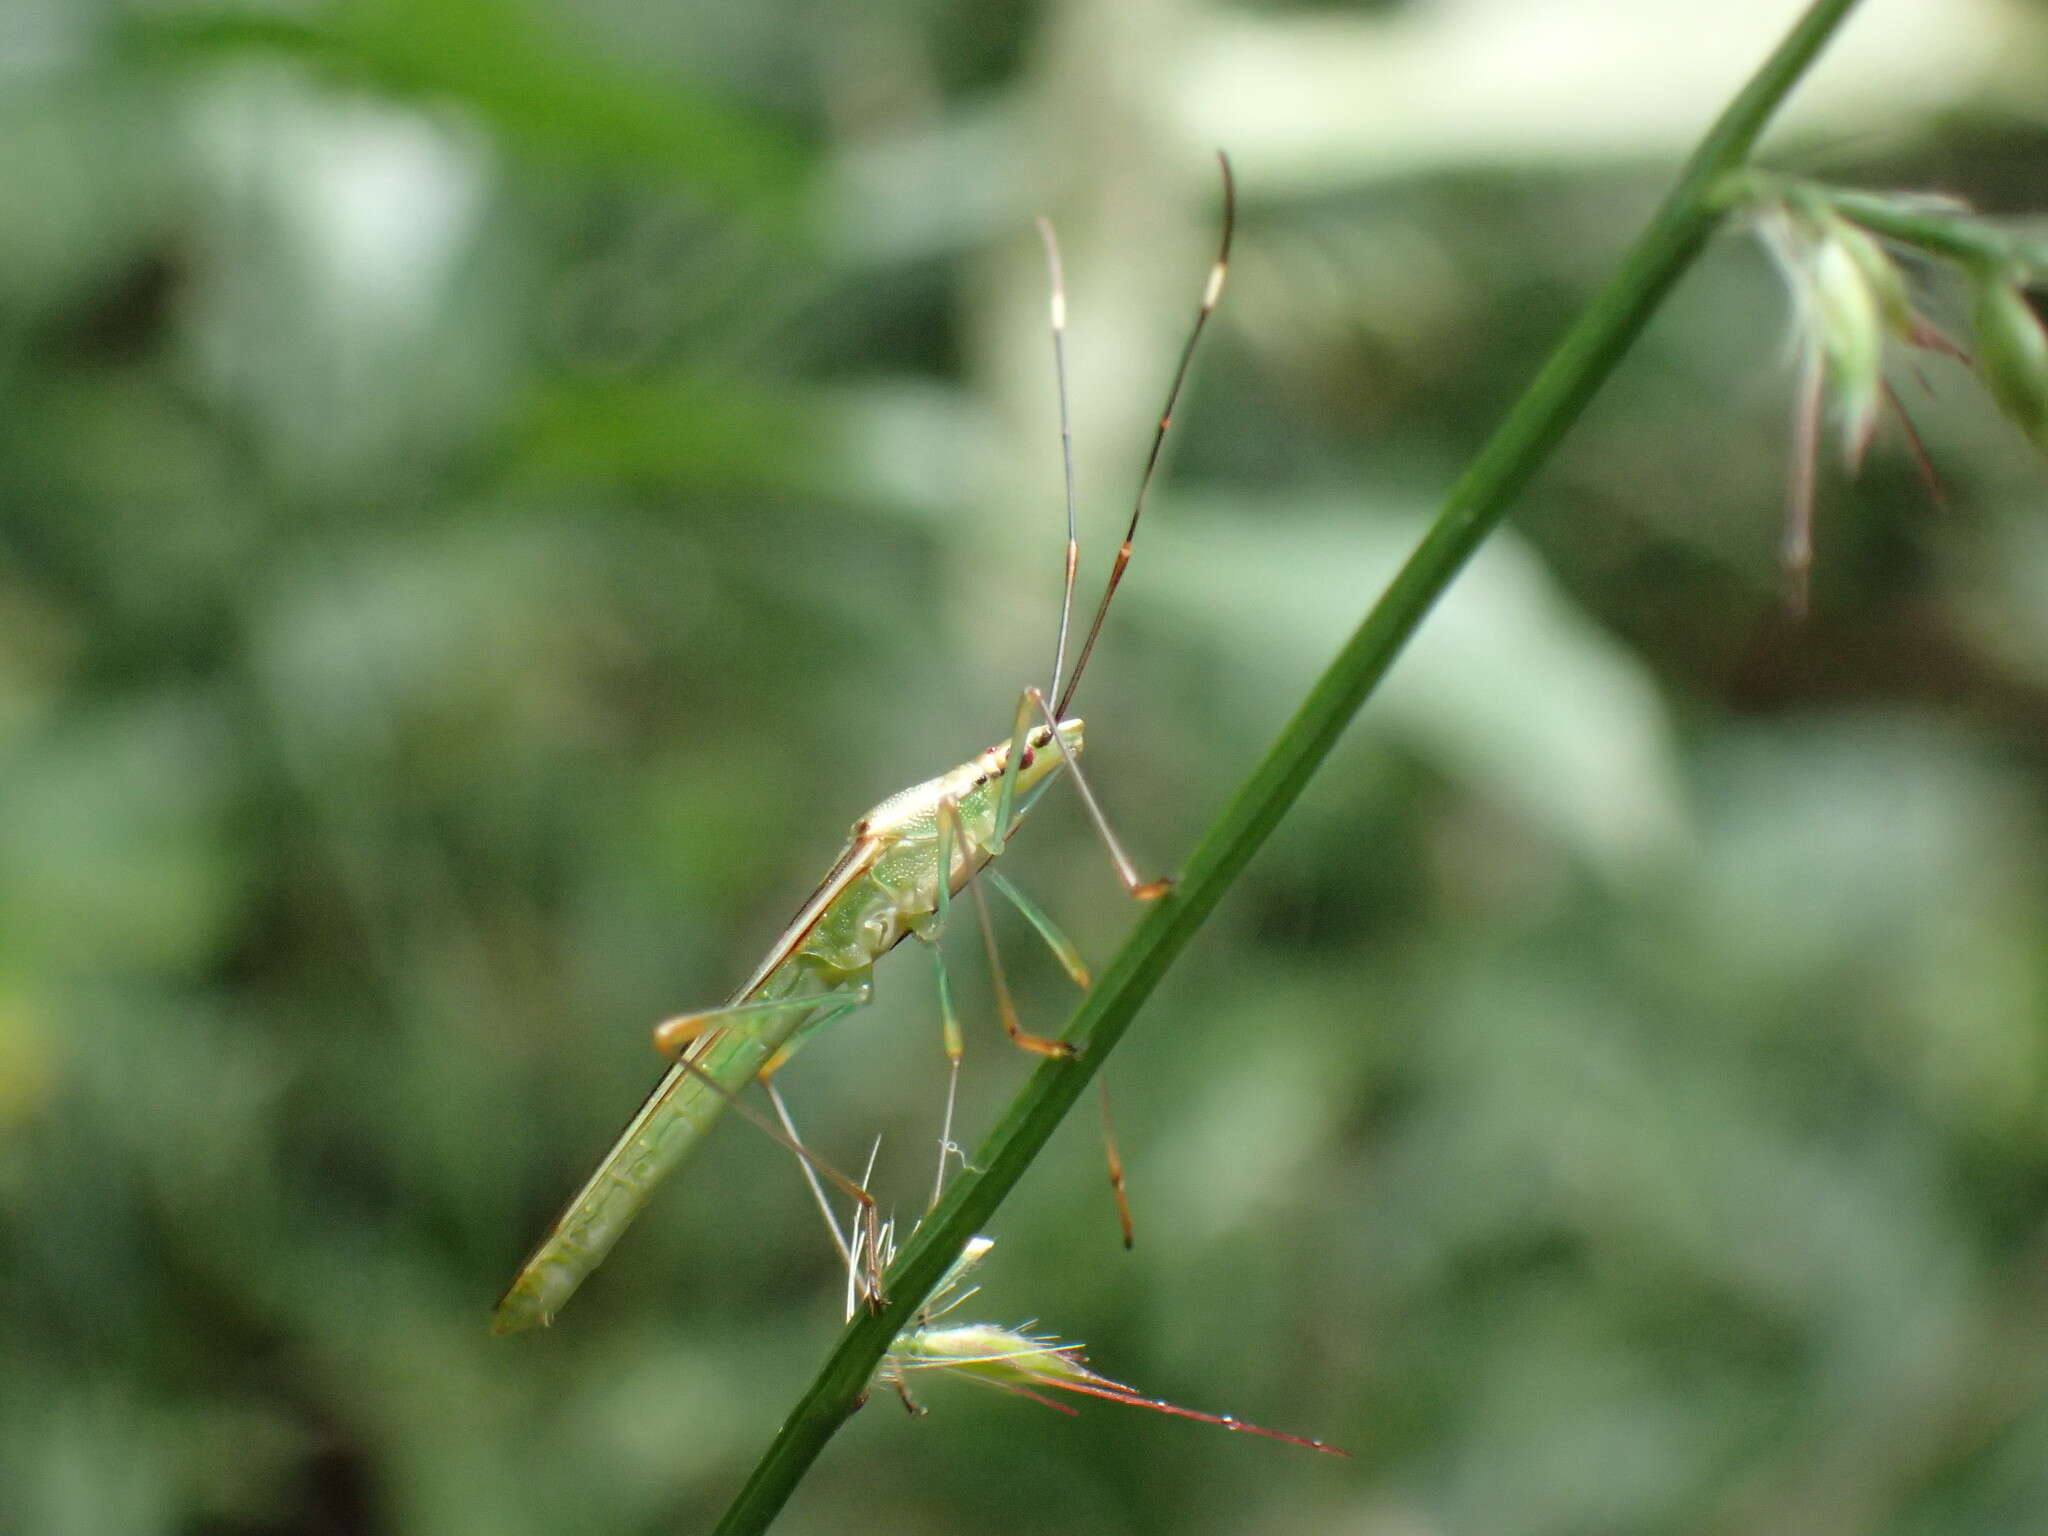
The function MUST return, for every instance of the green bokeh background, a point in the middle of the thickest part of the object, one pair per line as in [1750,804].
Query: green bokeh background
[488,492]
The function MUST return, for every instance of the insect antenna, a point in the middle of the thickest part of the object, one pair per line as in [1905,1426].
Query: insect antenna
[1058,283]
[1213,292]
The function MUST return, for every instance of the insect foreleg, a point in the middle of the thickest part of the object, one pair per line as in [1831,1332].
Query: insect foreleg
[1143,890]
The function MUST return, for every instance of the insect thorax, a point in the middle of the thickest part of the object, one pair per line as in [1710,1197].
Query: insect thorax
[901,889]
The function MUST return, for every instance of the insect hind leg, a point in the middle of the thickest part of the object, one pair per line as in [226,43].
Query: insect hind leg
[1070,961]
[814,1168]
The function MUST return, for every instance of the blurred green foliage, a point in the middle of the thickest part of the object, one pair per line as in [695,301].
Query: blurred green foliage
[488,492]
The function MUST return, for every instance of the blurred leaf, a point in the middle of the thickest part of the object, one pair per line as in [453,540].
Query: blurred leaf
[1507,689]
[529,79]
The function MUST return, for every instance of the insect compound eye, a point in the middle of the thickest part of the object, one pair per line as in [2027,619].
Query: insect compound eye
[1026,760]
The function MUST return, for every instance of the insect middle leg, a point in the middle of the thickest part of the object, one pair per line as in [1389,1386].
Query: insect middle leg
[951,838]
[1070,960]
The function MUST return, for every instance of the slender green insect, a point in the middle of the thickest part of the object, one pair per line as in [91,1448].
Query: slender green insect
[901,866]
